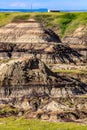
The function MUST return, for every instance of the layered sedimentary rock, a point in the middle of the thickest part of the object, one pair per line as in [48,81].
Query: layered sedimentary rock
[78,40]
[30,75]
[27,83]
[29,37]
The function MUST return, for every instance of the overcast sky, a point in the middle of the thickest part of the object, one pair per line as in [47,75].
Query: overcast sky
[50,4]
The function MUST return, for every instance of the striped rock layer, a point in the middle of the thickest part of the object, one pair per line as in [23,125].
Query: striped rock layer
[23,38]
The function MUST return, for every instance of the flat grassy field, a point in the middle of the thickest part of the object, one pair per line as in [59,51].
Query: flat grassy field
[63,23]
[13,123]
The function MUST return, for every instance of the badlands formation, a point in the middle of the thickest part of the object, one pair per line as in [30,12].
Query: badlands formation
[26,81]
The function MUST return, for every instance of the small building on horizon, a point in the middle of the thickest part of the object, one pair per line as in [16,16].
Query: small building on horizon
[54,10]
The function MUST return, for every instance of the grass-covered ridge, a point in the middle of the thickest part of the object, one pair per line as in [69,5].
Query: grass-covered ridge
[6,18]
[14,123]
[63,23]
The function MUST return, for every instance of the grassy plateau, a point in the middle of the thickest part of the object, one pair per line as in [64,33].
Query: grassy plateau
[63,23]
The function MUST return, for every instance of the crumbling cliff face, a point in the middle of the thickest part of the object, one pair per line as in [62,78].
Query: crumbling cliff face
[27,75]
[44,107]
[29,37]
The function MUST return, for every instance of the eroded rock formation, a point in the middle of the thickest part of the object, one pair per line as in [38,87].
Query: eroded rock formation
[30,75]
[29,37]
[26,83]
[78,40]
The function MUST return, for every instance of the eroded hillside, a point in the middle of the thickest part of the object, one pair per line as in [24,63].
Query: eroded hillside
[27,48]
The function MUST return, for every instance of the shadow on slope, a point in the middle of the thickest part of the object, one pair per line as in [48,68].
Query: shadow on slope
[32,74]
[65,53]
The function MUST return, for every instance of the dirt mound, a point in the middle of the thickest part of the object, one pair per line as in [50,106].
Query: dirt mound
[18,71]
[25,72]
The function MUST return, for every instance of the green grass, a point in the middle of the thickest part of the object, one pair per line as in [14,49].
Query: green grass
[66,20]
[13,123]
[8,110]
[21,17]
[9,17]
[63,23]
[5,60]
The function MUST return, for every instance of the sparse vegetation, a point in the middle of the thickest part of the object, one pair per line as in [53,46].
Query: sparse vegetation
[8,110]
[5,60]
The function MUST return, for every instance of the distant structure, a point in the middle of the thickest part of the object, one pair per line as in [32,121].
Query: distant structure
[31,7]
[53,10]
